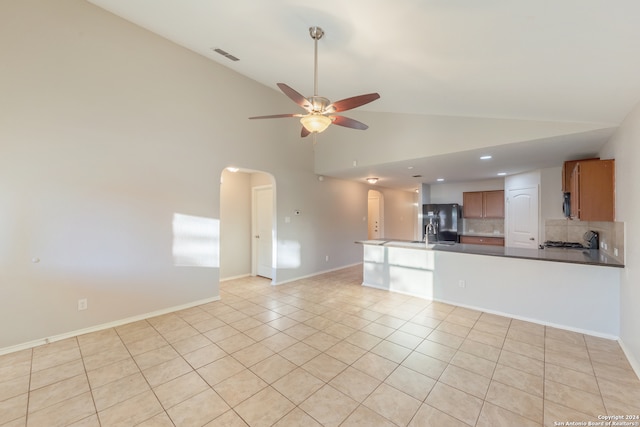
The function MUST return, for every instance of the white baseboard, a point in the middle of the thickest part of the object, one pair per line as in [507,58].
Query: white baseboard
[509,315]
[635,364]
[103,326]
[241,276]
[314,274]
[46,340]
[536,321]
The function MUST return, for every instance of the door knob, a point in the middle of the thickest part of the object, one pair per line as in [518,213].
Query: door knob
[531,238]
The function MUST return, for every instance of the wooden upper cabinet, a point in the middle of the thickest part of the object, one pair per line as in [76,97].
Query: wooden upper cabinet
[567,170]
[472,204]
[593,190]
[494,204]
[483,204]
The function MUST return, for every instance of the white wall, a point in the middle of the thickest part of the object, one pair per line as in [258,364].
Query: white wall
[108,131]
[551,193]
[623,147]
[399,214]
[235,224]
[452,192]
[421,136]
[527,289]
[235,221]
[552,293]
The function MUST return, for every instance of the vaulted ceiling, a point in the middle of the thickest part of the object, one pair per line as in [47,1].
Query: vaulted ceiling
[570,61]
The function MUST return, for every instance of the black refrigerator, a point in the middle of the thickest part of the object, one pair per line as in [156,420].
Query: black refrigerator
[442,222]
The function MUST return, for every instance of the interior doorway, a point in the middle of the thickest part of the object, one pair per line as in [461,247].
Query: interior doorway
[375,215]
[522,217]
[262,231]
[241,253]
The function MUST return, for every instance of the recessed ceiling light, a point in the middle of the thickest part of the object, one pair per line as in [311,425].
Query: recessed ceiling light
[409,167]
[440,179]
[502,173]
[372,180]
[485,157]
[232,169]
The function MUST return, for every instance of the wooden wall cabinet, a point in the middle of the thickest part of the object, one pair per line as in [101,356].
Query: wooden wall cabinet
[592,188]
[479,240]
[567,170]
[483,204]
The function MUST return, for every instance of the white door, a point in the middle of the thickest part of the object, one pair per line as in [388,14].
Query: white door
[262,231]
[522,217]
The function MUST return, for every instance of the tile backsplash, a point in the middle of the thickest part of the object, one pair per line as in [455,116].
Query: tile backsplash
[610,233]
[483,226]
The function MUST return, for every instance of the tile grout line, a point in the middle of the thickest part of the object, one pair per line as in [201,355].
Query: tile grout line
[86,374]
[142,373]
[26,416]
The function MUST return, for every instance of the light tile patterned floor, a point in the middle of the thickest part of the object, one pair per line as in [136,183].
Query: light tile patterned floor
[319,351]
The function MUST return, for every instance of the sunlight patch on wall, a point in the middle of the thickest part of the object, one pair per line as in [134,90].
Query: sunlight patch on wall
[196,241]
[289,254]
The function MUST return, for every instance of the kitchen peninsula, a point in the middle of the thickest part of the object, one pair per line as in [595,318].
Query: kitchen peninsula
[570,289]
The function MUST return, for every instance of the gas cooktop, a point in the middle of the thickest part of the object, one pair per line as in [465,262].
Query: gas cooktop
[559,244]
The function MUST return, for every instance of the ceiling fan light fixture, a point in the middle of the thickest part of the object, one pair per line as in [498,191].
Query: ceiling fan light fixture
[315,122]
[320,111]
[372,180]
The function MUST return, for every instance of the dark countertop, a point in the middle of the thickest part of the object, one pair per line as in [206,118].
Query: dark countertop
[573,256]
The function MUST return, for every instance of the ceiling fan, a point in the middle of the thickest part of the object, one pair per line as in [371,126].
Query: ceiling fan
[320,111]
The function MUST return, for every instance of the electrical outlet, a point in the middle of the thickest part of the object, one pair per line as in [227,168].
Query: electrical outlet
[615,251]
[462,284]
[82,304]
[326,258]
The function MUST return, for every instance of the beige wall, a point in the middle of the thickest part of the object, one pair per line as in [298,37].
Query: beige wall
[235,224]
[108,133]
[236,221]
[623,147]
[422,136]
[400,212]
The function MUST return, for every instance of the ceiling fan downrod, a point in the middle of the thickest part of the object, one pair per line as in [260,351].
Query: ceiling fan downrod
[316,34]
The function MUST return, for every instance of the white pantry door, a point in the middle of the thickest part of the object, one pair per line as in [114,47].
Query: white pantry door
[262,231]
[522,217]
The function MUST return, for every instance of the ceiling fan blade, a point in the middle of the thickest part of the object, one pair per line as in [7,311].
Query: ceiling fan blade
[295,96]
[304,132]
[348,123]
[277,116]
[353,102]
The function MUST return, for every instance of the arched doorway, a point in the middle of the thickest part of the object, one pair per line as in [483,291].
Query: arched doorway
[375,215]
[247,228]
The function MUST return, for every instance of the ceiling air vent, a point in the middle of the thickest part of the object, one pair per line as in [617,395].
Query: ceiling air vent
[225,54]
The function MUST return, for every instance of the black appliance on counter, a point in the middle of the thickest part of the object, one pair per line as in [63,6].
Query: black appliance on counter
[566,204]
[442,222]
[591,241]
